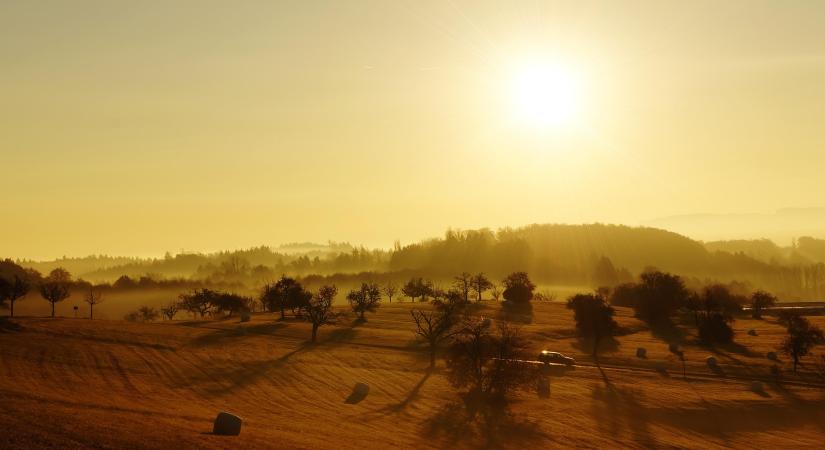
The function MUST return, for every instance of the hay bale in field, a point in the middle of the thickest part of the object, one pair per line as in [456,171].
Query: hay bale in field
[641,352]
[711,361]
[757,386]
[674,348]
[752,332]
[771,356]
[359,392]
[245,316]
[227,424]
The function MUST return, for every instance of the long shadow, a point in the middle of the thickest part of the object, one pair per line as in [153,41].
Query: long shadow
[7,326]
[668,332]
[225,381]
[606,345]
[412,395]
[222,334]
[618,409]
[493,427]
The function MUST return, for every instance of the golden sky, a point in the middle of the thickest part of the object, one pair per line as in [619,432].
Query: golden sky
[139,127]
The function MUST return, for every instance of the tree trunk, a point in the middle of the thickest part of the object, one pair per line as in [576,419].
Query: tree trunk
[795,360]
[432,356]
[283,313]
[91,312]
[52,309]
[11,311]
[314,332]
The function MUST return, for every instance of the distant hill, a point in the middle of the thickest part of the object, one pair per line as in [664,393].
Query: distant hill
[782,226]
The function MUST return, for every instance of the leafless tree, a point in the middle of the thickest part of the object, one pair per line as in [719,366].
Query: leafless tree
[480,283]
[463,283]
[434,327]
[390,289]
[93,298]
[170,310]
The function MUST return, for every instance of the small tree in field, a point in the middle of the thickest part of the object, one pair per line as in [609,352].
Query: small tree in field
[390,289]
[55,287]
[802,337]
[434,327]
[199,301]
[319,310]
[759,301]
[463,283]
[594,318]
[365,299]
[490,363]
[170,310]
[495,292]
[479,284]
[93,298]
[518,291]
[13,290]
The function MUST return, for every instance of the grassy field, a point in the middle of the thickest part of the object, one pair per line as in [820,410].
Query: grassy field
[68,383]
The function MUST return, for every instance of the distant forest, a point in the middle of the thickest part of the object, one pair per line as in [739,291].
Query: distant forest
[582,255]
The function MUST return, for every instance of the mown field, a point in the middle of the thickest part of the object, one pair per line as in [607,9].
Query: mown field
[68,383]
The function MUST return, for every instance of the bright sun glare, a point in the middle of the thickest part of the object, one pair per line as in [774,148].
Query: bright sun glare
[545,96]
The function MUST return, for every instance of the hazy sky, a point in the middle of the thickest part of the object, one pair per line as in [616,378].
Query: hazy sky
[138,127]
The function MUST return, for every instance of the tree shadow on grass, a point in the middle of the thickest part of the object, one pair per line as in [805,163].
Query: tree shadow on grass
[668,332]
[8,326]
[606,345]
[223,334]
[222,381]
[488,427]
[616,409]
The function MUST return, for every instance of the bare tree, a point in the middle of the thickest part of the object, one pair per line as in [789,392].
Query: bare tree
[434,327]
[55,287]
[495,292]
[319,311]
[463,283]
[170,310]
[480,283]
[390,289]
[93,298]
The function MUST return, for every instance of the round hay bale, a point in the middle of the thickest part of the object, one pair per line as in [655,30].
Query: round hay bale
[771,356]
[757,386]
[245,316]
[674,348]
[361,389]
[227,424]
[711,360]
[641,352]
[660,366]
[752,332]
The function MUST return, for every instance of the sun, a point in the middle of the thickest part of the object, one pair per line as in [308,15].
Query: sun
[545,95]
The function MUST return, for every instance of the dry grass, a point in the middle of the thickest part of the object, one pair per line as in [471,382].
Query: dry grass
[74,383]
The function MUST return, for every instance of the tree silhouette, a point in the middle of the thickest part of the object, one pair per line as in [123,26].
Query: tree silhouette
[594,318]
[759,301]
[390,289]
[13,290]
[366,298]
[319,310]
[463,283]
[479,284]
[93,298]
[434,327]
[55,287]
[491,364]
[518,291]
[802,337]
[170,310]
